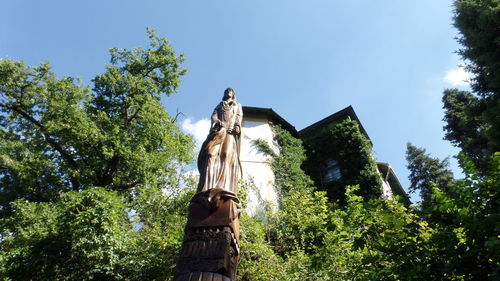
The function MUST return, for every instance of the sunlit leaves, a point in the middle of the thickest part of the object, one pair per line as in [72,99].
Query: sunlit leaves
[58,135]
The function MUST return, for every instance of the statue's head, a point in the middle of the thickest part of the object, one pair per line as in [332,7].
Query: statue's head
[229,94]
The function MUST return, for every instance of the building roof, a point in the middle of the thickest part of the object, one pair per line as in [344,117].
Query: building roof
[346,113]
[390,176]
[337,116]
[250,111]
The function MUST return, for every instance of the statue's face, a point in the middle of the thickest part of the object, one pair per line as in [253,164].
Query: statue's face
[228,95]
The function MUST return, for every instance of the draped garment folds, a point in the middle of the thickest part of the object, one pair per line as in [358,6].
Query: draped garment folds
[218,159]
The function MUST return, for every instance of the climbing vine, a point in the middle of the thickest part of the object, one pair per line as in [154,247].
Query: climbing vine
[351,149]
[286,162]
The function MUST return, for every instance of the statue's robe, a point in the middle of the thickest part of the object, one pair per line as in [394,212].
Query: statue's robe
[210,250]
[218,159]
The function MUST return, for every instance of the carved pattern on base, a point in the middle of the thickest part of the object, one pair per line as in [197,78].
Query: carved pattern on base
[213,249]
[202,276]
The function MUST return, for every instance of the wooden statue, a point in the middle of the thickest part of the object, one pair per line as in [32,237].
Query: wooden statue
[211,244]
[218,158]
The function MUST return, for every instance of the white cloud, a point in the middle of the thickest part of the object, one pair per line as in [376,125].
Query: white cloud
[457,77]
[199,129]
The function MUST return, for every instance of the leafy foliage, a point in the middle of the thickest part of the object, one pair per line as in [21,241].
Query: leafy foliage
[472,118]
[57,135]
[478,21]
[465,126]
[286,163]
[472,217]
[81,236]
[374,240]
[258,261]
[100,193]
[346,144]
[92,185]
[427,173]
[91,235]
[313,239]
[453,235]
[464,213]
[469,125]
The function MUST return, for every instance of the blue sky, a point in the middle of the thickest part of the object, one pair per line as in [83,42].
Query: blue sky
[390,60]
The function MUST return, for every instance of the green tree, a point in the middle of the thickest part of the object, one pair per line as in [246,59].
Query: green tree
[295,233]
[427,173]
[465,126]
[92,235]
[82,236]
[473,122]
[258,260]
[91,178]
[57,135]
[478,22]
[375,240]
[463,215]
[467,241]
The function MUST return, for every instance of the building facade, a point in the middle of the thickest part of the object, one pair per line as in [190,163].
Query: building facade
[327,170]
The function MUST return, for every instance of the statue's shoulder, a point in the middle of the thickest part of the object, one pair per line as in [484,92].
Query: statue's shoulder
[237,108]
[219,105]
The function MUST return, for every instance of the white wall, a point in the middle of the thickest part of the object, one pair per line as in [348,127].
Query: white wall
[256,167]
[386,190]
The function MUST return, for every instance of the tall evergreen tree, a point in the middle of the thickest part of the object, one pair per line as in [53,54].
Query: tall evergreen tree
[465,126]
[473,119]
[427,173]
[479,24]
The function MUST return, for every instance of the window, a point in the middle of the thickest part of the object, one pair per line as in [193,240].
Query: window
[332,171]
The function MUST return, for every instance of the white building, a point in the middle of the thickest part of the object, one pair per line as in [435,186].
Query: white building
[256,167]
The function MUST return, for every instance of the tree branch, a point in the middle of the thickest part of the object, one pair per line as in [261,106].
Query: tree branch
[50,140]
[173,120]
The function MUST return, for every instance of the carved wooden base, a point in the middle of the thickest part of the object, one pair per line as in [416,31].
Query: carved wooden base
[211,244]
[202,276]
[209,250]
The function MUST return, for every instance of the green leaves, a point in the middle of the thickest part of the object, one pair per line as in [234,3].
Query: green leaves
[76,162]
[345,143]
[462,216]
[302,219]
[478,21]
[286,164]
[452,236]
[467,125]
[94,234]
[426,173]
[365,238]
[472,118]
[79,237]
[58,135]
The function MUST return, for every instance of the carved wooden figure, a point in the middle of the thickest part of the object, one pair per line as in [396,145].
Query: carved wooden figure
[211,244]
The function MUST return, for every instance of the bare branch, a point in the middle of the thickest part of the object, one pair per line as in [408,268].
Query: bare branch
[173,120]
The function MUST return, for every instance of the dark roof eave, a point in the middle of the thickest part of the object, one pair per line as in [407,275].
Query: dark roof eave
[349,111]
[272,116]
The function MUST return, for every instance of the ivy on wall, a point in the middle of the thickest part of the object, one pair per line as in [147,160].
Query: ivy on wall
[286,164]
[345,143]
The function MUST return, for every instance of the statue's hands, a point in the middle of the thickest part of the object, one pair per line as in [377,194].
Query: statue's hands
[234,131]
[237,130]
[215,126]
